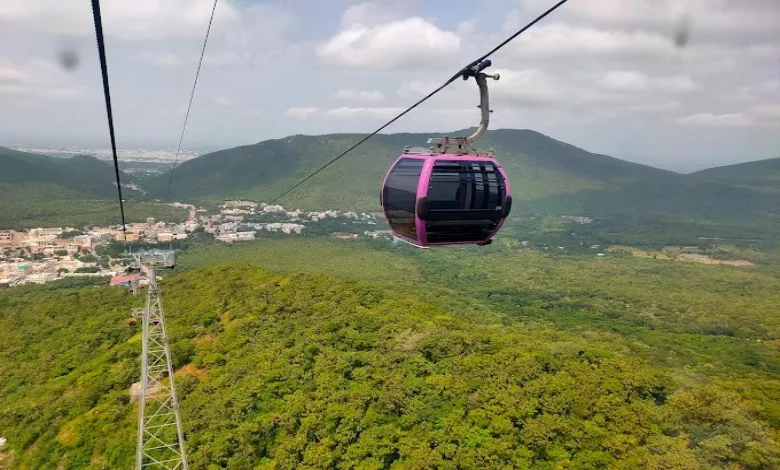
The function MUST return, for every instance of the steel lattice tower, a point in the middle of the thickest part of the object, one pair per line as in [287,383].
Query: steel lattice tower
[160,442]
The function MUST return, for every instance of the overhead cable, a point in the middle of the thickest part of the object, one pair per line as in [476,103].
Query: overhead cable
[424,99]
[192,96]
[107,94]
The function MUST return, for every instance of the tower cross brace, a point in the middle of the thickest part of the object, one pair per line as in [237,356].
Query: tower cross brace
[160,439]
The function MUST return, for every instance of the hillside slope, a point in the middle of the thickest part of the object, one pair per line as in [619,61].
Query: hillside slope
[81,172]
[302,371]
[538,166]
[761,174]
[40,190]
[548,176]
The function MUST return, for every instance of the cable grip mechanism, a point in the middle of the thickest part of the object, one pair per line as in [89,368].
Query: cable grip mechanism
[462,145]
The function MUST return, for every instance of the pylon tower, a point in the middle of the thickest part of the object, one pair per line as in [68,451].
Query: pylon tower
[160,443]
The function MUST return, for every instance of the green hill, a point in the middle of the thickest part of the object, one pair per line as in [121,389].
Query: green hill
[739,201]
[548,176]
[763,175]
[81,190]
[82,172]
[295,371]
[537,165]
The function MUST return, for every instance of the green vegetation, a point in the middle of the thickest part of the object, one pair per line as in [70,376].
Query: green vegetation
[490,357]
[762,174]
[38,190]
[538,165]
[86,174]
[311,352]
[45,191]
[46,205]
[548,177]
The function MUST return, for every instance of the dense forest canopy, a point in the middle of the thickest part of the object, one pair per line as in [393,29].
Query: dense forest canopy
[459,362]
[302,351]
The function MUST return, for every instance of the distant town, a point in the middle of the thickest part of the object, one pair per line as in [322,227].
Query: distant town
[150,155]
[41,255]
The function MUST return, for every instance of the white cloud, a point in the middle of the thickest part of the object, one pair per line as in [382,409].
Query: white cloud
[346,112]
[302,112]
[678,84]
[532,88]
[413,42]
[660,107]
[224,102]
[625,81]
[417,88]
[36,79]
[126,19]
[368,14]
[557,40]
[158,59]
[31,91]
[715,120]
[9,74]
[227,58]
[360,95]
[253,113]
[766,113]
[723,17]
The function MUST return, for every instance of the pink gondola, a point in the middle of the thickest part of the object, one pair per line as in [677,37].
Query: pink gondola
[450,193]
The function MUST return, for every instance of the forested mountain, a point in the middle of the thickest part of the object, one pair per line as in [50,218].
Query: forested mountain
[292,371]
[82,172]
[538,166]
[547,176]
[762,174]
[41,190]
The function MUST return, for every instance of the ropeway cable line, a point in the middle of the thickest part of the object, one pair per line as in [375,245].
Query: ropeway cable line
[465,72]
[192,96]
[107,93]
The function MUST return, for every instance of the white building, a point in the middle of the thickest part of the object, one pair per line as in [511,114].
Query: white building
[40,278]
[43,232]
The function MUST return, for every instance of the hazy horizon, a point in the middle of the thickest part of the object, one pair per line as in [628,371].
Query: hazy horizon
[679,167]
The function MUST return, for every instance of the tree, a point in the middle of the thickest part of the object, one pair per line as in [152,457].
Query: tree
[88,258]
[88,269]
[71,234]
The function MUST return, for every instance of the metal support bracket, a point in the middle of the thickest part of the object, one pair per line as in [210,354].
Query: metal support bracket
[463,145]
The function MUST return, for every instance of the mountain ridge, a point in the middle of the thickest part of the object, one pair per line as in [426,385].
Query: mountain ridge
[541,166]
[548,176]
[81,172]
[39,190]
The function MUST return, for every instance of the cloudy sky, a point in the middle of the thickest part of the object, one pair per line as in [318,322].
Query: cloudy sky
[605,75]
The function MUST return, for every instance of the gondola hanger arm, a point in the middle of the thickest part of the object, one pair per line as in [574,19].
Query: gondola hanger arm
[484,97]
[462,145]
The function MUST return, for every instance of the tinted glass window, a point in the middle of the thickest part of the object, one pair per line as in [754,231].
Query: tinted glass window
[399,196]
[465,186]
[465,201]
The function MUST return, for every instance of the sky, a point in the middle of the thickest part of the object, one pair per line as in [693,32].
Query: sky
[671,83]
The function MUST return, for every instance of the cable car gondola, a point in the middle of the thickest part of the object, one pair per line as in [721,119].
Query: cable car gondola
[450,193]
